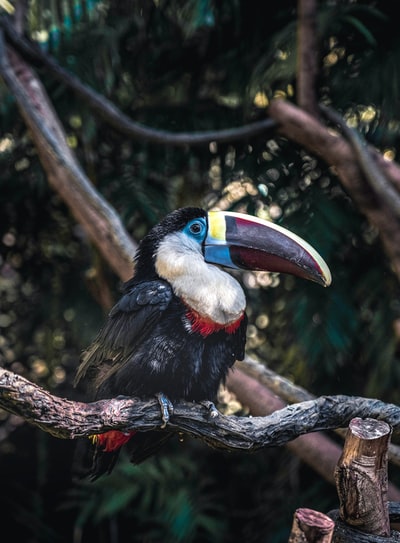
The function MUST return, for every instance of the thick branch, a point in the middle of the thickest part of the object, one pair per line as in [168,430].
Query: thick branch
[373,172]
[68,420]
[296,125]
[289,392]
[95,215]
[315,449]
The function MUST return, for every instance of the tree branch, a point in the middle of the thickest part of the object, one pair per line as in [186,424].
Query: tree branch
[114,117]
[96,216]
[302,128]
[67,419]
[260,389]
[373,173]
[307,56]
[291,393]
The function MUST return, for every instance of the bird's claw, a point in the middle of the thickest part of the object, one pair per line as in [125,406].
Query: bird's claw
[167,408]
[213,411]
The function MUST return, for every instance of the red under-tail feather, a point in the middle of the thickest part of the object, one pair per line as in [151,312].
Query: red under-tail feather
[112,440]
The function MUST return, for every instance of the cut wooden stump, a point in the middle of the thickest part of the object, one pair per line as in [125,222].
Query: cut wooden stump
[344,533]
[361,477]
[310,526]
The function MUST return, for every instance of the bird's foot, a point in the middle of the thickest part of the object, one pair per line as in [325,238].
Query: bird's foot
[167,408]
[213,411]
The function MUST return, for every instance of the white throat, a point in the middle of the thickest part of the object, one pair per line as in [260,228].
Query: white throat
[206,289]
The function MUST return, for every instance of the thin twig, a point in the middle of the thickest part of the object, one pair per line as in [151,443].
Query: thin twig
[111,114]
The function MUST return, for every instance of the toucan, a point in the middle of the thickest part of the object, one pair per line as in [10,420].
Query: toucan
[180,322]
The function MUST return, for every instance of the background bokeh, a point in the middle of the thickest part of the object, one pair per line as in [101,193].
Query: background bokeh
[190,66]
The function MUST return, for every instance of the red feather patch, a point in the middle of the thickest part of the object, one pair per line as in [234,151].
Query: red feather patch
[112,440]
[205,326]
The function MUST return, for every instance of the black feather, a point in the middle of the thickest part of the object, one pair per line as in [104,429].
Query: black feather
[147,346]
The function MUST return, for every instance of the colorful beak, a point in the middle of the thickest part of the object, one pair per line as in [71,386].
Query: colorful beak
[240,241]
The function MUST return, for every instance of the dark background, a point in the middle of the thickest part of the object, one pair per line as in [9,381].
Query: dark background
[187,67]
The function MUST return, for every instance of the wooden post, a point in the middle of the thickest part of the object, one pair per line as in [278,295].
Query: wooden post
[311,527]
[361,477]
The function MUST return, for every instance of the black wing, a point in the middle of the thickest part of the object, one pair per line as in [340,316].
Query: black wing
[128,323]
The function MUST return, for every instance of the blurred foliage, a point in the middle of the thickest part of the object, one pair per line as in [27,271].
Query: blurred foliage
[192,66]
[188,500]
[163,496]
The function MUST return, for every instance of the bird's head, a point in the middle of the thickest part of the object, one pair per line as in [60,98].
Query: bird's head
[231,240]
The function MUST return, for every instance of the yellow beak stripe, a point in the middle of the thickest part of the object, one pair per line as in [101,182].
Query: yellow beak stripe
[217,225]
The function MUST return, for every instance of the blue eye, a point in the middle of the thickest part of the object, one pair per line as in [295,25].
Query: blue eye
[196,229]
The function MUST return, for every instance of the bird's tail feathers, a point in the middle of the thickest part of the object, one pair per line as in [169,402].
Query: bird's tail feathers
[90,463]
[146,444]
[98,455]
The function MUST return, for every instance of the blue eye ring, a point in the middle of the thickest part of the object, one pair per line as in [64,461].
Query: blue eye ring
[197,229]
